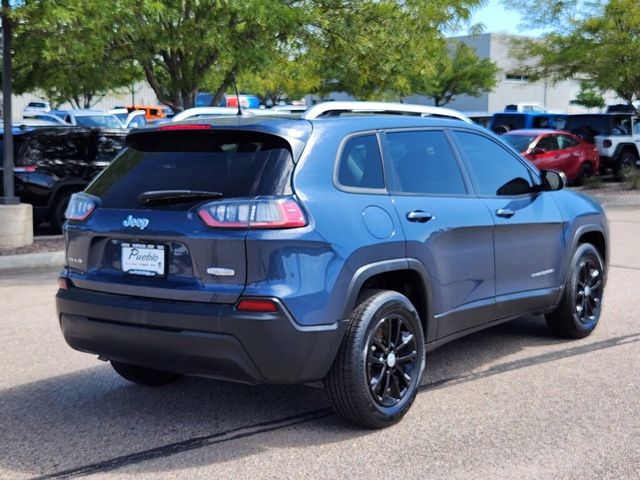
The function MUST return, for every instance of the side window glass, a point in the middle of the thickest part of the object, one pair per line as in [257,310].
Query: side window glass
[566,142]
[494,169]
[361,163]
[422,162]
[549,143]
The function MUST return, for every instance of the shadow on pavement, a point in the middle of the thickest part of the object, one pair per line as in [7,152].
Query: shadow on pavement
[91,421]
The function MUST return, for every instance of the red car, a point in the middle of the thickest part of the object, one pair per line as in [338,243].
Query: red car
[557,150]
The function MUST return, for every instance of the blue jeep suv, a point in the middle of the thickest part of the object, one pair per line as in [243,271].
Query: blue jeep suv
[331,247]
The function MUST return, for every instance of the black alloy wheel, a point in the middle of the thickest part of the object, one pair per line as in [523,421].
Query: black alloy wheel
[378,369]
[580,307]
[391,360]
[588,291]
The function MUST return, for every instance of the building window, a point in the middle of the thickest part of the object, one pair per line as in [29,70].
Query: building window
[517,77]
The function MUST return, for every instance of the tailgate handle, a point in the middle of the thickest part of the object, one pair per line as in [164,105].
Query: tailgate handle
[419,216]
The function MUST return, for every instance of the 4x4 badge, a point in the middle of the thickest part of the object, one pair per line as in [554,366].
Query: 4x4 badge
[140,223]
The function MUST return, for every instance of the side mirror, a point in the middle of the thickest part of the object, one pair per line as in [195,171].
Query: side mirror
[553,180]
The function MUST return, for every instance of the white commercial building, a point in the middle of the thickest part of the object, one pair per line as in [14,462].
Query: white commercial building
[513,86]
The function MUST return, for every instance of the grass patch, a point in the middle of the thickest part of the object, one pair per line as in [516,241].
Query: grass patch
[592,183]
[630,177]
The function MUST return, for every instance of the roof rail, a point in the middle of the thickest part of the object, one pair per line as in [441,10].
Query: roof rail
[330,109]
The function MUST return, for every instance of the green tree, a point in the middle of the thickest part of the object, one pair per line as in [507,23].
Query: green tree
[595,41]
[373,48]
[589,97]
[458,72]
[63,51]
[186,45]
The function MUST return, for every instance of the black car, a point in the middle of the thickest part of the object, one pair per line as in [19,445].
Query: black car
[54,162]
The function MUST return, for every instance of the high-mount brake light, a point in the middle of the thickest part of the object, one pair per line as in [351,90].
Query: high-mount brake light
[257,305]
[273,213]
[188,126]
[80,207]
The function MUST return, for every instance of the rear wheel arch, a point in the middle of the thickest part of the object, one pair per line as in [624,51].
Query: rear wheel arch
[405,276]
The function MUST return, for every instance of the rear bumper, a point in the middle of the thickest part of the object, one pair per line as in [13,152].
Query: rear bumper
[197,338]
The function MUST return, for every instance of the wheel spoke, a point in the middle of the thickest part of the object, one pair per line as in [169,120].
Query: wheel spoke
[387,324]
[377,382]
[406,338]
[398,335]
[406,358]
[377,360]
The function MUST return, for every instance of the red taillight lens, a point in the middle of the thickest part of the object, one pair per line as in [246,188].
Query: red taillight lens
[607,143]
[187,126]
[80,207]
[257,305]
[250,213]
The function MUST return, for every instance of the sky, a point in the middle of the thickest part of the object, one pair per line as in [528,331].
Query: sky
[496,19]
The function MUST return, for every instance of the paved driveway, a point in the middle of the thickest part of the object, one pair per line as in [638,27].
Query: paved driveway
[509,402]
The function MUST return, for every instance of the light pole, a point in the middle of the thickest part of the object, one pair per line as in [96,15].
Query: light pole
[9,198]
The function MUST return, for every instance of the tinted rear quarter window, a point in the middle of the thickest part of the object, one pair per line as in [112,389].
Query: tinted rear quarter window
[236,164]
[361,163]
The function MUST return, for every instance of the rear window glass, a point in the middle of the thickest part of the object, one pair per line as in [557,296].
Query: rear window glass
[236,164]
[520,142]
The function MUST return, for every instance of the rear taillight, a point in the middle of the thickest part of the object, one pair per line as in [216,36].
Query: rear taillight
[607,143]
[80,207]
[250,213]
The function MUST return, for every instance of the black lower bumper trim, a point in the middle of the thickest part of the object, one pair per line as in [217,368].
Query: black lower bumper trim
[200,339]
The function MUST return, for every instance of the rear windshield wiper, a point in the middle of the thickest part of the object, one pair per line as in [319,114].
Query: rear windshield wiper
[164,197]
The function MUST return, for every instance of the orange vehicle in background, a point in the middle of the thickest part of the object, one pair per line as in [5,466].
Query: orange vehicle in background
[150,113]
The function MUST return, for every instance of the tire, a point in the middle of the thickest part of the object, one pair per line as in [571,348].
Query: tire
[625,159]
[586,171]
[148,377]
[370,352]
[57,217]
[501,129]
[579,310]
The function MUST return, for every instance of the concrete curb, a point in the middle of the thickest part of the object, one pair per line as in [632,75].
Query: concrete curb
[31,260]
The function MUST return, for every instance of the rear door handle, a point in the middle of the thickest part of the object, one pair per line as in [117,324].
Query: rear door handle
[505,212]
[419,216]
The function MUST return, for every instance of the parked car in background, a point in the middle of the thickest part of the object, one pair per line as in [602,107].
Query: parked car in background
[40,106]
[506,121]
[615,135]
[525,107]
[480,118]
[45,116]
[339,246]
[129,119]
[152,113]
[556,150]
[92,119]
[53,163]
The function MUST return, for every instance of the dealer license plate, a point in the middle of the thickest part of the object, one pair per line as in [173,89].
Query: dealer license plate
[143,259]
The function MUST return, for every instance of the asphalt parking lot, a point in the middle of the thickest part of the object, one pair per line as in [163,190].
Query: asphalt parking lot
[509,402]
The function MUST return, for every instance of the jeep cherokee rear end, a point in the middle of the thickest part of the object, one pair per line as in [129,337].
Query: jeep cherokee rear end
[157,250]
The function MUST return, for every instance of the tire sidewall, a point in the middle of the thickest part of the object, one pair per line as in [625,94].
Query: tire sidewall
[386,303]
[583,252]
